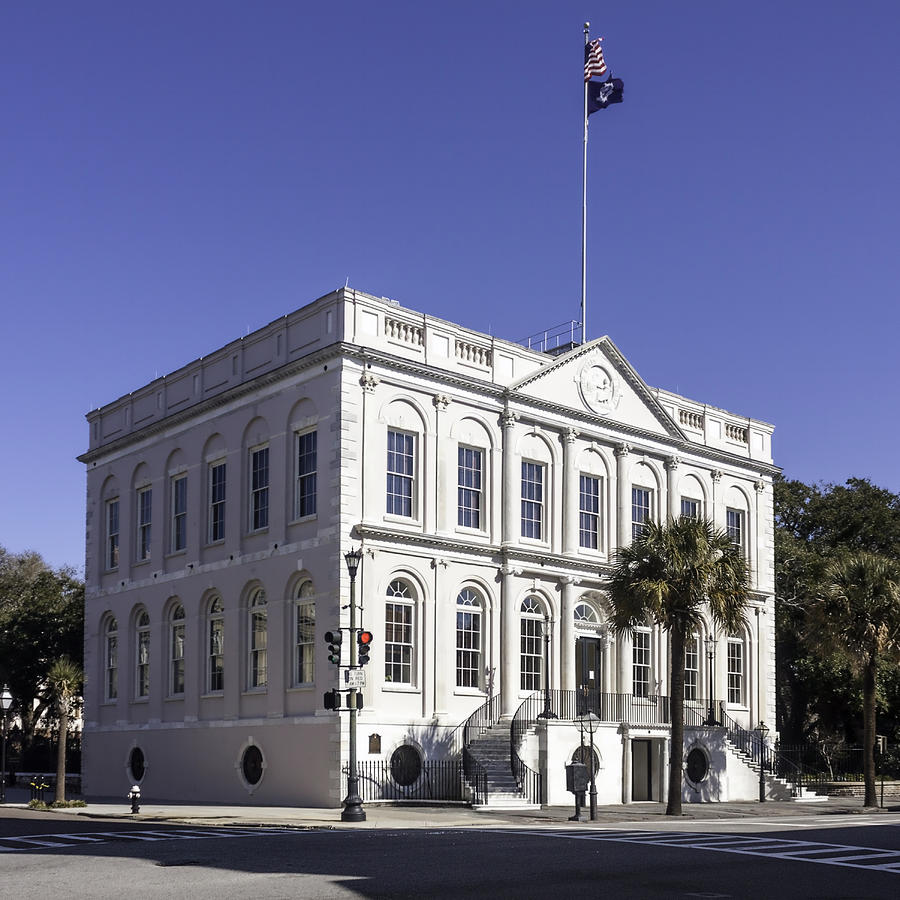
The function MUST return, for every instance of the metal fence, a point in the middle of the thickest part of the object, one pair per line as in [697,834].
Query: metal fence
[440,779]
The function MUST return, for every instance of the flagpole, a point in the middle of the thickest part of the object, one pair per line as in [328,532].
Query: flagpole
[587,28]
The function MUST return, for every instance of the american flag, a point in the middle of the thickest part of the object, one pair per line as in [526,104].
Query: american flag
[593,60]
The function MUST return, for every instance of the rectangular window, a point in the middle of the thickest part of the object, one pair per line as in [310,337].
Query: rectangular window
[469,486]
[691,667]
[305,646]
[112,534]
[259,489]
[531,638]
[144,515]
[307,464]
[640,511]
[216,502]
[589,513]
[640,655]
[400,473]
[734,526]
[143,663]
[112,663]
[176,659]
[215,669]
[259,657]
[735,671]
[690,509]
[398,643]
[468,648]
[532,500]
[179,513]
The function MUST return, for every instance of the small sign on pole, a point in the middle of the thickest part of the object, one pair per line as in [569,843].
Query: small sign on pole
[354,678]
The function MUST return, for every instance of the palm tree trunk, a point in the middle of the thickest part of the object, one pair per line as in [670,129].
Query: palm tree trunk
[871,798]
[676,706]
[61,757]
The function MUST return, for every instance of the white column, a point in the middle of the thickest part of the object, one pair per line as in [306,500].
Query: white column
[509,647]
[441,613]
[444,498]
[672,487]
[511,480]
[666,748]
[570,506]
[567,632]
[623,510]
[626,765]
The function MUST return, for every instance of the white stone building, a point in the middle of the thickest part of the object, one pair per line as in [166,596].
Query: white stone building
[488,485]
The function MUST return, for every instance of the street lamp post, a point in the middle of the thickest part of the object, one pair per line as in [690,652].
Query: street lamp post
[710,643]
[547,711]
[6,700]
[589,721]
[763,731]
[353,807]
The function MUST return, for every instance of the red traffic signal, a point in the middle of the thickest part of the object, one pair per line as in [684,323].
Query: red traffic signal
[364,643]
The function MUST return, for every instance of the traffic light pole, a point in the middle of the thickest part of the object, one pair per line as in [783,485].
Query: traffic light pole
[353,807]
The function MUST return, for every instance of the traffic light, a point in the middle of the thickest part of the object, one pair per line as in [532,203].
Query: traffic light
[333,639]
[359,702]
[364,641]
[332,699]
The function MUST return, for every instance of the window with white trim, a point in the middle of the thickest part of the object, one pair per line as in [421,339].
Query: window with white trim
[690,508]
[641,500]
[531,638]
[257,641]
[735,671]
[112,534]
[305,634]
[401,468]
[470,481]
[589,512]
[178,502]
[176,651]
[691,667]
[144,521]
[216,514]
[734,527]
[259,489]
[533,500]
[215,646]
[469,638]
[142,656]
[305,489]
[399,611]
[111,660]
[640,658]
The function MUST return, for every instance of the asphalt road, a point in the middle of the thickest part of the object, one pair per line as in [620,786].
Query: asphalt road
[43,855]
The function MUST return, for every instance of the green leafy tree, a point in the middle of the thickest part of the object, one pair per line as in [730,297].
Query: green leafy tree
[858,619]
[64,682]
[670,575]
[41,621]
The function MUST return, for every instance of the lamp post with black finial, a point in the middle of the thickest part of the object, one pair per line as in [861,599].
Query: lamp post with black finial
[353,806]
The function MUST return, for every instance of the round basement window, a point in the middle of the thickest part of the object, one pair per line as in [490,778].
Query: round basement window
[252,764]
[697,765]
[406,765]
[136,765]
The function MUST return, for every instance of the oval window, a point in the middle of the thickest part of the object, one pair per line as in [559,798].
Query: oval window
[406,765]
[697,765]
[584,756]
[252,764]
[136,764]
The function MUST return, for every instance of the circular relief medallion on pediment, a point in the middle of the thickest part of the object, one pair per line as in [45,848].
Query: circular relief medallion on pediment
[599,388]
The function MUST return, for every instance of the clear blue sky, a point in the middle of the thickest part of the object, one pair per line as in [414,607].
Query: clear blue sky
[174,173]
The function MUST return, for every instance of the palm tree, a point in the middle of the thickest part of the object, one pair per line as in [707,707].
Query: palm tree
[670,575]
[858,618]
[65,679]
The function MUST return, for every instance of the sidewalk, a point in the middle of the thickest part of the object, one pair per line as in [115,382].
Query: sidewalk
[381,816]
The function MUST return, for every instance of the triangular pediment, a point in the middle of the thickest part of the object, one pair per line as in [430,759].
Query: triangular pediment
[596,379]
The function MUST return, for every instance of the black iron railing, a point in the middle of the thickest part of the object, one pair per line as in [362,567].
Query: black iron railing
[439,779]
[460,742]
[529,781]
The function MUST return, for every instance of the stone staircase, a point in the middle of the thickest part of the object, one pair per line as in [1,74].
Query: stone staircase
[777,788]
[491,750]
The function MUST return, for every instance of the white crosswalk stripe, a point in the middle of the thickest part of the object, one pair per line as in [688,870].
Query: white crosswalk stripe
[44,841]
[872,858]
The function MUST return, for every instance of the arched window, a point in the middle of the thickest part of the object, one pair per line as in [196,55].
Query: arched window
[305,633]
[142,655]
[399,632]
[585,613]
[531,634]
[111,660]
[469,639]
[257,641]
[215,646]
[737,670]
[176,650]
[641,659]
[691,667]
